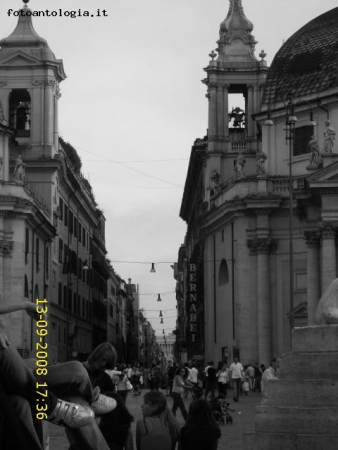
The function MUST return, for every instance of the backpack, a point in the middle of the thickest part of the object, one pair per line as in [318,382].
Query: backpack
[157,438]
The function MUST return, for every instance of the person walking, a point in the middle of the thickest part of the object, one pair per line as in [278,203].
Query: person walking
[211,380]
[193,374]
[180,381]
[236,376]
[223,379]
[250,376]
[170,376]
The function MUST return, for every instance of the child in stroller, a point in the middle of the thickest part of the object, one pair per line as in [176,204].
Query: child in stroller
[221,410]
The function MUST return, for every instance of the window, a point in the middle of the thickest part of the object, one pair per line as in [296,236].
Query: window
[26,244]
[70,294]
[66,215]
[73,262]
[60,294]
[61,209]
[75,227]
[80,233]
[301,140]
[47,262]
[37,256]
[26,291]
[223,273]
[80,269]
[64,296]
[60,250]
[71,222]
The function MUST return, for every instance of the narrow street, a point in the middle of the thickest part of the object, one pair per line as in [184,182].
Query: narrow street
[232,435]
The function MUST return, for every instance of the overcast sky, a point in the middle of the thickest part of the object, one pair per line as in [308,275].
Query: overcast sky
[133,104]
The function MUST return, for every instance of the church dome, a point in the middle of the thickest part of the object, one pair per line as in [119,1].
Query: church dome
[307,62]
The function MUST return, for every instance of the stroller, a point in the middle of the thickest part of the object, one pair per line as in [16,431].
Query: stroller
[197,392]
[221,410]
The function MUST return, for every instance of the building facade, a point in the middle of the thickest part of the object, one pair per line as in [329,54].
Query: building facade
[260,199]
[52,232]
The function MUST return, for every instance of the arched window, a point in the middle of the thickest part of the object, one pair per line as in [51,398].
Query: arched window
[223,277]
[20,111]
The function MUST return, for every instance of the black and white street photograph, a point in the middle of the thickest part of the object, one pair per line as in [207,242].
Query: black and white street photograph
[168,225]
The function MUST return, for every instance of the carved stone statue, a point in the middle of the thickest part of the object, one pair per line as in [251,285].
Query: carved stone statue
[329,137]
[215,185]
[19,170]
[239,166]
[315,159]
[327,310]
[260,161]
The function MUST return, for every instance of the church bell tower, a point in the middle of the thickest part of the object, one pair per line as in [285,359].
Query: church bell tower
[29,89]
[234,69]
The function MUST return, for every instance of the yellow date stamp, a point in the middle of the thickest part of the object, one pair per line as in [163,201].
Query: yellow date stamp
[41,359]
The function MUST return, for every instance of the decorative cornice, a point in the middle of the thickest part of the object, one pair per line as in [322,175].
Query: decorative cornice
[261,245]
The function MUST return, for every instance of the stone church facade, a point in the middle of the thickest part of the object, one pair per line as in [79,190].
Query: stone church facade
[262,253]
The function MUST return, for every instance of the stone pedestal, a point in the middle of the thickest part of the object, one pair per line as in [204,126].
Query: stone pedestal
[328,158]
[301,412]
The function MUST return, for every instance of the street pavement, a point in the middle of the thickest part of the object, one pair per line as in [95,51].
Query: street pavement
[232,435]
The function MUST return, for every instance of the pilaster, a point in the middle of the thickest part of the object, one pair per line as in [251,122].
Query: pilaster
[212,109]
[261,247]
[329,266]
[313,281]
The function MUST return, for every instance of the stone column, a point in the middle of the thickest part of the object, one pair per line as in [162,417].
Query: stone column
[220,120]
[49,113]
[262,247]
[225,110]
[56,118]
[313,290]
[212,110]
[250,110]
[329,268]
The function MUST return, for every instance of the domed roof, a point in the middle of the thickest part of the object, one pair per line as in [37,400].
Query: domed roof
[308,61]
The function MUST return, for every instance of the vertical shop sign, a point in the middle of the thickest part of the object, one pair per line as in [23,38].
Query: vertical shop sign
[192,301]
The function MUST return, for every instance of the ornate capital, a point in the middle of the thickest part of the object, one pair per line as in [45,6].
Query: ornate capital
[261,245]
[6,247]
[312,238]
[37,82]
[212,86]
[328,230]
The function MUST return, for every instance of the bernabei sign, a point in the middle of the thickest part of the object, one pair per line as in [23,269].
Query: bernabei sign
[191,303]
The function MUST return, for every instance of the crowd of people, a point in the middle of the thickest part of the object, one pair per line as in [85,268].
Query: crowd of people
[89,399]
